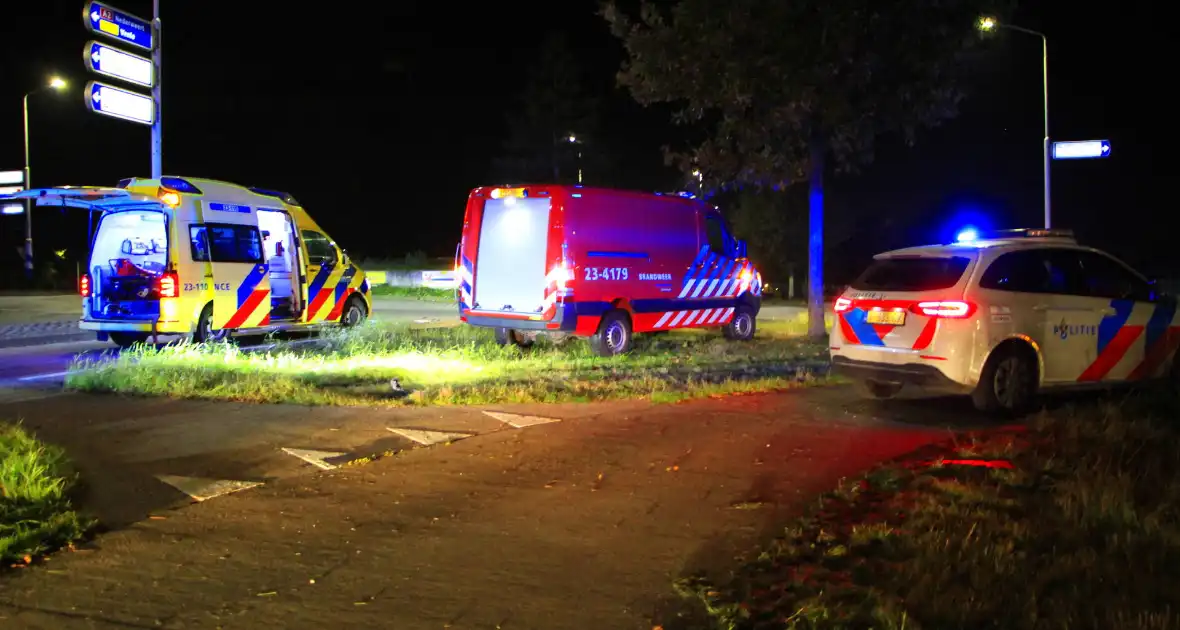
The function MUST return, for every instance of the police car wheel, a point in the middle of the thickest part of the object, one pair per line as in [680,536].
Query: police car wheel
[128,339]
[1008,382]
[742,326]
[614,335]
[505,336]
[354,313]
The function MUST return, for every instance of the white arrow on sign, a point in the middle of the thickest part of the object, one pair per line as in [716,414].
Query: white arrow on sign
[315,458]
[95,57]
[94,15]
[97,96]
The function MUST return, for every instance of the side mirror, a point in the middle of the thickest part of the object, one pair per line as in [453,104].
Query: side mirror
[344,259]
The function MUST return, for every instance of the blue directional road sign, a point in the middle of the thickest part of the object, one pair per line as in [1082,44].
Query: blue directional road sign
[113,62]
[119,25]
[1081,150]
[109,100]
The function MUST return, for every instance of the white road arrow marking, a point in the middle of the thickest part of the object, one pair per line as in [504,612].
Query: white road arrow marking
[204,489]
[315,458]
[429,438]
[519,421]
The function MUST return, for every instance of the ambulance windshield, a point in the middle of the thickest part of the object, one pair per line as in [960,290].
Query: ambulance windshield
[129,244]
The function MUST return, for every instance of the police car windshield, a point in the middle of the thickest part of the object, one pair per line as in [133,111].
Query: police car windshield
[926,273]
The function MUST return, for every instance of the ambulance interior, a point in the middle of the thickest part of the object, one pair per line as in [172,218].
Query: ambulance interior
[129,254]
[282,255]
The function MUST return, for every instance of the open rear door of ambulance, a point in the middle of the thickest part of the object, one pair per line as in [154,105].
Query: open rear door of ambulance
[510,275]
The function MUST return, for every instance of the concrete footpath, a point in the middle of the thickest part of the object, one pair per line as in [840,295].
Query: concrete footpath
[582,523]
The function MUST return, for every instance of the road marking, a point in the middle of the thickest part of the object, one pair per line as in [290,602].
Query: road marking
[519,421]
[202,489]
[315,458]
[37,377]
[429,438]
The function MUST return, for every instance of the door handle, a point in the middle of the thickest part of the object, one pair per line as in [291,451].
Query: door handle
[209,275]
[1107,311]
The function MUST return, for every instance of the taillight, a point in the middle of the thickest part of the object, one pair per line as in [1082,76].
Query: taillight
[561,275]
[951,309]
[84,285]
[842,304]
[168,285]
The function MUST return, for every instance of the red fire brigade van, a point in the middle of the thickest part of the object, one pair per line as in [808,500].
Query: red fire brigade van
[599,263]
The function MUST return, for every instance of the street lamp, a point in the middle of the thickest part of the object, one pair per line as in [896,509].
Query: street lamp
[988,24]
[55,83]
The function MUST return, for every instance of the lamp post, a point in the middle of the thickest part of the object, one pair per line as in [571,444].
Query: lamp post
[988,24]
[55,83]
[573,139]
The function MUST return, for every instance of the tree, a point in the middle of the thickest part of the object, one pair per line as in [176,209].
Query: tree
[789,90]
[552,108]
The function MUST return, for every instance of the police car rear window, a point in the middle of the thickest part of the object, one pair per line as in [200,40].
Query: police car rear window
[925,273]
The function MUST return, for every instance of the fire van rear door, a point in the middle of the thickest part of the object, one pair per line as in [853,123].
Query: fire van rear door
[510,271]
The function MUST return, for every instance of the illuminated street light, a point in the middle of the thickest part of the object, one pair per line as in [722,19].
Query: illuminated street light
[989,24]
[573,138]
[58,84]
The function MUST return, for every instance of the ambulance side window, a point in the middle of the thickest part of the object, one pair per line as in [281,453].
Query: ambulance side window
[225,243]
[320,250]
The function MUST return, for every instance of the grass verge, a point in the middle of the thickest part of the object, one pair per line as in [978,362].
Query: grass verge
[1083,531]
[459,365]
[426,294]
[35,512]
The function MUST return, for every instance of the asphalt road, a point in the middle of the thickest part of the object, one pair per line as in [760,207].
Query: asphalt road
[580,521]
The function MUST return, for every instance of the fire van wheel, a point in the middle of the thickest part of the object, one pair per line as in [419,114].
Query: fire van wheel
[506,336]
[614,335]
[1008,382]
[354,313]
[128,339]
[742,326]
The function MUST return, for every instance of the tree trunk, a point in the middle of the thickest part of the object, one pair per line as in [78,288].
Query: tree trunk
[815,243]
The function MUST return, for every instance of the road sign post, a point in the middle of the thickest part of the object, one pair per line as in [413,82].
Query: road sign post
[1081,150]
[122,27]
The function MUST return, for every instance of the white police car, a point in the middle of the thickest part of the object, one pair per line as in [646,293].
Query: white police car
[1001,316]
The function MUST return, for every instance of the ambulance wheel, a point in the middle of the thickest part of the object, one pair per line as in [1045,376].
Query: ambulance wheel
[354,313]
[205,332]
[614,335]
[506,336]
[1008,383]
[128,339]
[742,326]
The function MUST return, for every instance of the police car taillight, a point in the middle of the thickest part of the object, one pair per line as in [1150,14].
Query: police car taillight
[84,285]
[168,285]
[951,309]
[842,304]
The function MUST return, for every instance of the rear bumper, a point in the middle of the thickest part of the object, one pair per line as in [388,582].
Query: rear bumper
[915,374]
[565,312]
[143,326]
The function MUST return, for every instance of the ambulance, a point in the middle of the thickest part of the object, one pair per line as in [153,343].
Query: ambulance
[206,259]
[600,264]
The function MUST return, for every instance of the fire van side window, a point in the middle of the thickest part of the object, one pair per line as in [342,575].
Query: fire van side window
[225,243]
[320,250]
[715,233]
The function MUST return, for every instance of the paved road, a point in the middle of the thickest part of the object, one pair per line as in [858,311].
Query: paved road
[579,523]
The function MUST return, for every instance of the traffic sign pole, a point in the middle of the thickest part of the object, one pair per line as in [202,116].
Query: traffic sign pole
[158,124]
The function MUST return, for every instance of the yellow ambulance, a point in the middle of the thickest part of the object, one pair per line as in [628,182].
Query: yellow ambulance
[206,259]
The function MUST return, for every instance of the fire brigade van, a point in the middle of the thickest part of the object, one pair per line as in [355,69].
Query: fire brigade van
[599,263]
[205,259]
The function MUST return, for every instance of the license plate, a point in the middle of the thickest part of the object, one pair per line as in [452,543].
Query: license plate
[891,318]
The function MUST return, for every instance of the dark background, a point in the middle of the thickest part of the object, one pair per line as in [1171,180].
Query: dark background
[380,117]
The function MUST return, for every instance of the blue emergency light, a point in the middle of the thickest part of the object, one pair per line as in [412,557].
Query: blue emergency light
[967,235]
[179,185]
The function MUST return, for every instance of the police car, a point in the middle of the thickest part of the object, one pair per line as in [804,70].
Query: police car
[1002,316]
[206,259]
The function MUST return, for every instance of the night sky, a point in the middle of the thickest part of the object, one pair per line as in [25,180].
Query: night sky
[381,119]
